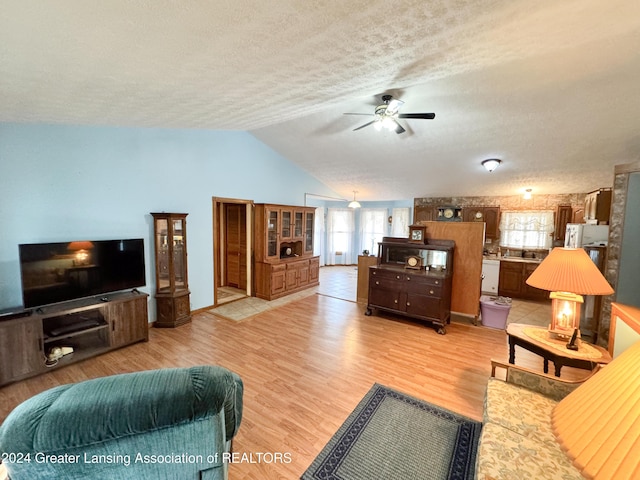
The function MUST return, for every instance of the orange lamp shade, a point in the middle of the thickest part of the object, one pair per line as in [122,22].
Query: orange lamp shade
[83,245]
[569,270]
[598,424]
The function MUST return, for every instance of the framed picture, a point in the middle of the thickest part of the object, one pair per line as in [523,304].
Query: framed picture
[417,234]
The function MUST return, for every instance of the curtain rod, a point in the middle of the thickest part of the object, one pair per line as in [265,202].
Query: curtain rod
[322,196]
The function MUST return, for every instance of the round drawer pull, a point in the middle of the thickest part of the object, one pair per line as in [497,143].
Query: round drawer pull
[377,282]
[408,304]
[437,282]
[395,301]
[408,278]
[398,277]
[431,292]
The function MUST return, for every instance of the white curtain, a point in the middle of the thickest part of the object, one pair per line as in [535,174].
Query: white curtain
[400,222]
[340,233]
[526,229]
[318,235]
[373,226]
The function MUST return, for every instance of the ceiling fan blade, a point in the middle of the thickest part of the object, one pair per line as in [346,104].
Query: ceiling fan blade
[426,116]
[394,106]
[399,129]
[365,125]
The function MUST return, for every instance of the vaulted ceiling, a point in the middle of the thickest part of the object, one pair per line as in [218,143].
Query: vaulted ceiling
[550,87]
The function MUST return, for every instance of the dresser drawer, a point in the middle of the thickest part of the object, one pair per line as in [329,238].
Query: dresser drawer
[387,274]
[422,288]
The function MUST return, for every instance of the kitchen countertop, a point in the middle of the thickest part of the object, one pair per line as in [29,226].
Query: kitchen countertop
[513,259]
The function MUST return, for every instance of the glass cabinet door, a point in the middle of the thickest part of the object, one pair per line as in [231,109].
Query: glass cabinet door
[308,232]
[297,224]
[179,260]
[272,233]
[163,279]
[286,224]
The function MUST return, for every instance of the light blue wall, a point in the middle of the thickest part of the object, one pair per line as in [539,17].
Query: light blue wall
[61,183]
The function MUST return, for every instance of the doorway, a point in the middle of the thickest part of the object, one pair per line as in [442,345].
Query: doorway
[232,246]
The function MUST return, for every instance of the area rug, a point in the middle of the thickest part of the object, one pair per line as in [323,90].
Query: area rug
[391,435]
[251,306]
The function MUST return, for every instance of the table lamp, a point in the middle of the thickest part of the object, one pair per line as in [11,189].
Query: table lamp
[568,273]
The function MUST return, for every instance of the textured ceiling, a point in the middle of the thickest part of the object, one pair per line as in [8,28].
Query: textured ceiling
[550,87]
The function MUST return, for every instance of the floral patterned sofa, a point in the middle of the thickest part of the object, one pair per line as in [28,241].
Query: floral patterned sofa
[517,440]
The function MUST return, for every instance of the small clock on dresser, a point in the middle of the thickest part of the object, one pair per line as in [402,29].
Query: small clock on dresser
[413,262]
[417,233]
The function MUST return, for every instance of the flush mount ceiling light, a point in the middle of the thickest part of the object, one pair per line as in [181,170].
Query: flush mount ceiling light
[354,203]
[527,194]
[491,164]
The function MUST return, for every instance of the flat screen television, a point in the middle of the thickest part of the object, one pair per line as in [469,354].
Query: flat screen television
[57,272]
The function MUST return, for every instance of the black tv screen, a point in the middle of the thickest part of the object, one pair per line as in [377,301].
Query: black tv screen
[57,272]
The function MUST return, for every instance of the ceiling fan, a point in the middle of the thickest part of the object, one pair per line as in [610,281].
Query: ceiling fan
[387,114]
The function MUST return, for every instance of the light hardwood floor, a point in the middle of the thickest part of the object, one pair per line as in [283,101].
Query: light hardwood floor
[305,366]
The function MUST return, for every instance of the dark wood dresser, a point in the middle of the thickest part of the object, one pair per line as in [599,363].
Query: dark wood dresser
[413,279]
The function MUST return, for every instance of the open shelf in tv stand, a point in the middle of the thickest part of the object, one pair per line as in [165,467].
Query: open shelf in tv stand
[104,324]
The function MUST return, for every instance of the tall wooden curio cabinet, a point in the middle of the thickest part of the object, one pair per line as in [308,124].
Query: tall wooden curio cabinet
[172,285]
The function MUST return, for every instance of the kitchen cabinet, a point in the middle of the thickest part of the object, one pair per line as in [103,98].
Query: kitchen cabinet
[577,215]
[597,206]
[489,215]
[513,276]
[413,280]
[424,213]
[564,215]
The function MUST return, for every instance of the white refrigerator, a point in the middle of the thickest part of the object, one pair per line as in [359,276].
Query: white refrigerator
[581,234]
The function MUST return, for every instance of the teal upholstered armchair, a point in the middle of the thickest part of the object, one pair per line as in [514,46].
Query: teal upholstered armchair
[159,424]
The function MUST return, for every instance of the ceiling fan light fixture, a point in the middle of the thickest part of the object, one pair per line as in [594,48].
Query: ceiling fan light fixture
[354,203]
[389,123]
[491,164]
[387,114]
[527,194]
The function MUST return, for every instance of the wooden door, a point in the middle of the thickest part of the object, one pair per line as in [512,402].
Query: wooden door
[21,352]
[236,246]
[128,321]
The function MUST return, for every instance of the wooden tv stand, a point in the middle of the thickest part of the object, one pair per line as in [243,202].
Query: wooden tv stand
[91,326]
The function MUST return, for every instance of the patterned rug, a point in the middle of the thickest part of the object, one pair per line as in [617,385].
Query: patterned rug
[391,435]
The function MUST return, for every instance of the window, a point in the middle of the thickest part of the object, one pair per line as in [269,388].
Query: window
[400,222]
[373,226]
[526,229]
[340,232]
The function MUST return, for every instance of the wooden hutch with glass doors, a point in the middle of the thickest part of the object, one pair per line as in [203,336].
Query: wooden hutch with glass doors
[284,261]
